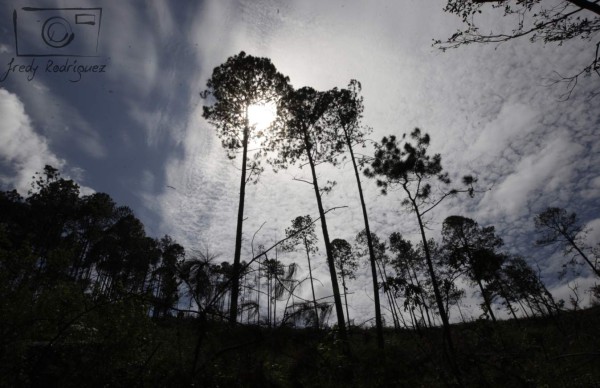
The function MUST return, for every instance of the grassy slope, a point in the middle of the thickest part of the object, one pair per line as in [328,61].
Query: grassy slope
[564,351]
[561,352]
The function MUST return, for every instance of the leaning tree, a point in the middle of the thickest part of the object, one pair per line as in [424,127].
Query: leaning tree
[556,226]
[234,89]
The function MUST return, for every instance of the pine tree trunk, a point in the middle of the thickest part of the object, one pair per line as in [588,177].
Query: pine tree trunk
[436,290]
[383,276]
[235,281]
[346,299]
[378,321]
[334,284]
[312,286]
[486,300]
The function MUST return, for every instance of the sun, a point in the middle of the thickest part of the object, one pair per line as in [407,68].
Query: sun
[260,116]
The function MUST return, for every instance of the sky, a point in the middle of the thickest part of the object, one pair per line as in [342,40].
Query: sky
[128,120]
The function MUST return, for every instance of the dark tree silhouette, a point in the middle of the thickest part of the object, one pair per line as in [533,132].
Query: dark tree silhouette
[346,264]
[347,113]
[472,249]
[557,227]
[525,286]
[304,135]
[166,276]
[382,260]
[199,274]
[280,282]
[536,20]
[412,169]
[75,271]
[406,282]
[236,85]
[303,231]
[272,269]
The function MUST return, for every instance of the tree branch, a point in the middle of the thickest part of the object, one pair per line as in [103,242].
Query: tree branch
[584,4]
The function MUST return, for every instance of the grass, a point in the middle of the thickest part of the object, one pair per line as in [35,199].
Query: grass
[542,352]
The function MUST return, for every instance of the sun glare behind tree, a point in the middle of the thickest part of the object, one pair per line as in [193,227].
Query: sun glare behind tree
[260,116]
[237,85]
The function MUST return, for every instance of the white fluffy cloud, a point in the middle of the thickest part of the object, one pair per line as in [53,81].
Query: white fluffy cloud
[547,170]
[21,147]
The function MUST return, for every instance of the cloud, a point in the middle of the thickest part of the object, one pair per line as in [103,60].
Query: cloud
[24,152]
[512,123]
[578,289]
[592,238]
[21,147]
[548,170]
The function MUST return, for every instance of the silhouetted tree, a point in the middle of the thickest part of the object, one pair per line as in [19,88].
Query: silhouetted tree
[280,282]
[273,269]
[347,113]
[382,260]
[501,286]
[525,286]
[558,227]
[412,169]
[472,250]
[243,80]
[304,135]
[75,271]
[205,281]
[407,281]
[346,264]
[166,274]
[308,238]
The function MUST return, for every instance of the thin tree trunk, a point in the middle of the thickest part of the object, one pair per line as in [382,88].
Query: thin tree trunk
[522,307]
[336,290]
[436,291]
[461,313]
[387,294]
[258,295]
[572,242]
[395,310]
[512,311]
[269,298]
[486,300]
[378,321]
[508,304]
[346,299]
[422,297]
[391,297]
[312,286]
[401,317]
[235,281]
